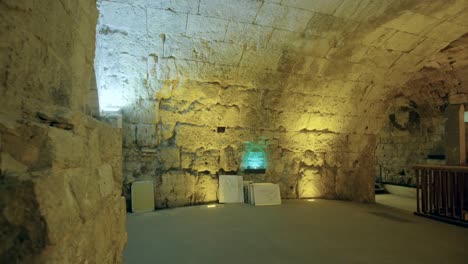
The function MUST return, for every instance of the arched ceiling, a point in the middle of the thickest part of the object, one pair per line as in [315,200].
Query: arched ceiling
[446,72]
[341,53]
[417,113]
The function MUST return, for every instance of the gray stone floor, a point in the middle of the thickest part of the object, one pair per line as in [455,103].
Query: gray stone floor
[397,201]
[320,231]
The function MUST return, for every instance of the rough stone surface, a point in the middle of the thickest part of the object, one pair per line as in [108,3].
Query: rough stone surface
[310,78]
[60,198]
[60,169]
[416,116]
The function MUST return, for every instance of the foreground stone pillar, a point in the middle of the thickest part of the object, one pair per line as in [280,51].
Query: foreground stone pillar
[455,149]
[60,191]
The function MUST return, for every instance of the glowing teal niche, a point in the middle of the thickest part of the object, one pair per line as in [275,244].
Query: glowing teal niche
[254,157]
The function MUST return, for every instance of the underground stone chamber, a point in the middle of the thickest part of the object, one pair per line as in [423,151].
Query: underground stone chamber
[316,89]
[97,95]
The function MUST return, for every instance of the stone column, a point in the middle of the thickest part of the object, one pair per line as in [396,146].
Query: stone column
[455,150]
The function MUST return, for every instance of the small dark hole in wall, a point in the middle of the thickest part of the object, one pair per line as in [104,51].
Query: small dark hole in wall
[222,172]
[435,156]
[221,129]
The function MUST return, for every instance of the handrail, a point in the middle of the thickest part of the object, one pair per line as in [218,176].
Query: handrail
[458,168]
[442,192]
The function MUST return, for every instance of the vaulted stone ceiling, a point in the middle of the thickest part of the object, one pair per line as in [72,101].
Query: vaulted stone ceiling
[243,42]
[416,125]
[310,77]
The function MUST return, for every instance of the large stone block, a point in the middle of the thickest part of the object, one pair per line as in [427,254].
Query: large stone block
[287,18]
[225,53]
[129,134]
[49,158]
[165,22]
[122,16]
[187,48]
[146,135]
[383,58]
[230,10]
[26,146]
[58,205]
[310,158]
[355,184]
[261,58]
[319,6]
[330,27]
[174,188]
[179,6]
[314,183]
[194,137]
[193,96]
[229,159]
[411,22]
[110,142]
[283,39]
[206,27]
[142,111]
[105,181]
[68,149]
[206,161]
[168,157]
[84,186]
[24,232]
[249,34]
[402,41]
[447,31]
[363,10]
[206,189]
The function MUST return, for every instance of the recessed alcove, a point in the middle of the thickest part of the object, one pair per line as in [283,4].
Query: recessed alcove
[254,158]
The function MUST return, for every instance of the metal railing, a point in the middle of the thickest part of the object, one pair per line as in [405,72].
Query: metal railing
[442,193]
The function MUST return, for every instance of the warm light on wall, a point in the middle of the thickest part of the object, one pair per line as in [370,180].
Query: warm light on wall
[311,200]
[211,206]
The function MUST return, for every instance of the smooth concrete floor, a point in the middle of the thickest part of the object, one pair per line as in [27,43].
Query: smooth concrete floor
[321,231]
[397,201]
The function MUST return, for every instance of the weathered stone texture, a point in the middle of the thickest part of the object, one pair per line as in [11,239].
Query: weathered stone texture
[46,66]
[60,170]
[62,199]
[416,117]
[312,78]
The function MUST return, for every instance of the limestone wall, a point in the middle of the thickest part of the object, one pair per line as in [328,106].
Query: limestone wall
[311,78]
[415,130]
[416,117]
[60,169]
[60,192]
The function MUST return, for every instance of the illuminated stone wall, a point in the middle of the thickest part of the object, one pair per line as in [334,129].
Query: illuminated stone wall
[416,117]
[60,169]
[311,78]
